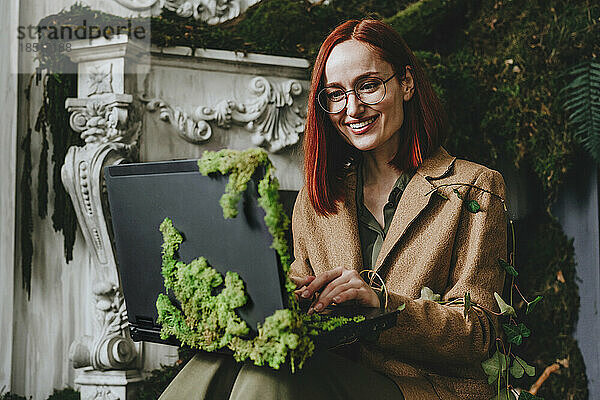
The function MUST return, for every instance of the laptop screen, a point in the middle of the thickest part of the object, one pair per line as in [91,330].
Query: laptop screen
[142,195]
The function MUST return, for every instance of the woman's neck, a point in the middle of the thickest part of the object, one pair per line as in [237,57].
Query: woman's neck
[377,170]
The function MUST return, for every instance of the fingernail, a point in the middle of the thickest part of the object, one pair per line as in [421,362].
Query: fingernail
[305,294]
[336,299]
[319,306]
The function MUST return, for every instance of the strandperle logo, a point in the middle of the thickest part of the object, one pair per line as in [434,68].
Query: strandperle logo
[83,31]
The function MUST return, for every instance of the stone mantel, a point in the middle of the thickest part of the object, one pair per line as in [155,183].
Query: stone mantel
[231,61]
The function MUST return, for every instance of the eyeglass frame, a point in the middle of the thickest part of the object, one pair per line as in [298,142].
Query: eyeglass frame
[384,81]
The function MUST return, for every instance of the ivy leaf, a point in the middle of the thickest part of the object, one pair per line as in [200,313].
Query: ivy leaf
[528,396]
[467,304]
[516,333]
[427,294]
[529,369]
[473,206]
[524,330]
[504,395]
[505,309]
[516,370]
[457,193]
[519,366]
[507,267]
[531,306]
[494,367]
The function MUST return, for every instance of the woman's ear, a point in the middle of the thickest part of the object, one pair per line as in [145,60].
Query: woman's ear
[408,85]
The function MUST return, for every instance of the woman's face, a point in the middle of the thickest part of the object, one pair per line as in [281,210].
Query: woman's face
[367,127]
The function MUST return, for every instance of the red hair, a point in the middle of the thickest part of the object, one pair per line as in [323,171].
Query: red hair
[327,155]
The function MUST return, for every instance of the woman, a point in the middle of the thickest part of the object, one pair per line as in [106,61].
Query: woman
[372,158]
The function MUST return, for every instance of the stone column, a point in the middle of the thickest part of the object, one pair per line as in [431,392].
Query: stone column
[103,114]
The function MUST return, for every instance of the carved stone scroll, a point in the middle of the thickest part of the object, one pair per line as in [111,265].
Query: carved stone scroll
[109,139]
[210,11]
[270,114]
[111,349]
[102,125]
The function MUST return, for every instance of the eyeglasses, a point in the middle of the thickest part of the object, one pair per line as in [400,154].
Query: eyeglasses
[369,90]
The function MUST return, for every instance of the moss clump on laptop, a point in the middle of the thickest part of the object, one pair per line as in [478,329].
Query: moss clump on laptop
[209,321]
[240,165]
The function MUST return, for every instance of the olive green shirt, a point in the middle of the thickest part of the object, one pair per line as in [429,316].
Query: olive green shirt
[370,232]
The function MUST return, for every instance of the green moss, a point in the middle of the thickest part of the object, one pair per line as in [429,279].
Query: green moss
[209,321]
[241,165]
[12,396]
[547,267]
[205,321]
[426,22]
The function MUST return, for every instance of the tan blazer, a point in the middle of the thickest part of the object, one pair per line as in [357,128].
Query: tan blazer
[433,352]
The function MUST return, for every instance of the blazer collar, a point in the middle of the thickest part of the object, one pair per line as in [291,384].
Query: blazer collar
[438,165]
[415,199]
[411,204]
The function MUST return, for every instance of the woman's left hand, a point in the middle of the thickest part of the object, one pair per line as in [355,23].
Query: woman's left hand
[340,285]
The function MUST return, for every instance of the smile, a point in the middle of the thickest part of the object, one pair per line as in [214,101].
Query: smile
[362,124]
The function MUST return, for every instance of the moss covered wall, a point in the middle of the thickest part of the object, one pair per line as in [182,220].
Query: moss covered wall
[499,67]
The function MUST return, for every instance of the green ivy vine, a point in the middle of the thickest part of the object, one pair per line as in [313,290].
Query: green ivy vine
[504,363]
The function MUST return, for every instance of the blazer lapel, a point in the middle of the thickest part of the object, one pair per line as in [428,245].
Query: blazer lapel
[414,199]
[346,221]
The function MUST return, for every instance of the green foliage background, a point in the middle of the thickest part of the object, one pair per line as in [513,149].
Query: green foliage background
[499,68]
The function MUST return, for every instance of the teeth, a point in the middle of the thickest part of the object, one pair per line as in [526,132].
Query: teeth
[362,124]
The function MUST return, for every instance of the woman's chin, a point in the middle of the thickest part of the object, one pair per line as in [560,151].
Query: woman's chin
[363,145]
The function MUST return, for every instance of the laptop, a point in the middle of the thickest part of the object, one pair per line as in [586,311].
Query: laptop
[142,195]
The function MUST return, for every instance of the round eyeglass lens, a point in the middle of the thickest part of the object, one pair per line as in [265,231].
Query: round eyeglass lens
[332,99]
[370,90]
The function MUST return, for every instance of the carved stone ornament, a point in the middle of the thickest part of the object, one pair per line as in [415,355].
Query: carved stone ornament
[100,80]
[111,348]
[110,138]
[210,11]
[270,114]
[102,125]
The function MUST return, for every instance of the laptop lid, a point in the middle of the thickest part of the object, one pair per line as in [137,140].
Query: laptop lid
[142,195]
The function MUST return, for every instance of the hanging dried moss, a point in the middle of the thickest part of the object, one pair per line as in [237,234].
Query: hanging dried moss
[26,214]
[52,120]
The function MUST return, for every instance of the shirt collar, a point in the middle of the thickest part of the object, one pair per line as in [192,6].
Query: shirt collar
[398,187]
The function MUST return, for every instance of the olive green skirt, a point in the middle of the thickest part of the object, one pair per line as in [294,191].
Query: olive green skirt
[325,376]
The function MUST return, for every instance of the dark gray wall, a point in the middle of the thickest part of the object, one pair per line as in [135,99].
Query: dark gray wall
[577,211]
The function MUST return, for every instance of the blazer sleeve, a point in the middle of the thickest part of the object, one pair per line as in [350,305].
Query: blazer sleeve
[439,334]
[301,265]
